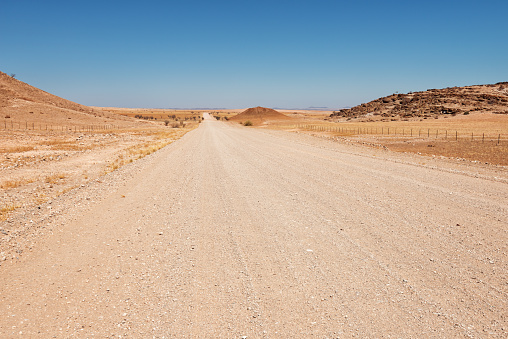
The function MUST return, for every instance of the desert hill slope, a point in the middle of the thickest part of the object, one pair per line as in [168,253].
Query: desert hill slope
[259,115]
[21,102]
[14,91]
[434,102]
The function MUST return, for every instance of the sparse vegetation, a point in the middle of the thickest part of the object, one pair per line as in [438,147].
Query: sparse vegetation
[247,123]
[5,210]
[53,179]
[16,149]
[9,184]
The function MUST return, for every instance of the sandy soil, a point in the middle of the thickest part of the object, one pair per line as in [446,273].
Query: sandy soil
[478,137]
[36,166]
[244,233]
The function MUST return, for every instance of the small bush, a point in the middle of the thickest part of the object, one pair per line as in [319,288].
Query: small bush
[166,122]
[247,123]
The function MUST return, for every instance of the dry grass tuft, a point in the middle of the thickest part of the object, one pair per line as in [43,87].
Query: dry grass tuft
[17,149]
[53,179]
[15,183]
[5,210]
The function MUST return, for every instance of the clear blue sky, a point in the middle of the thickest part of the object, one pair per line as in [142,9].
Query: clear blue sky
[238,54]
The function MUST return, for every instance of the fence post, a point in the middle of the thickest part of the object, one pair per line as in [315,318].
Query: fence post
[456,136]
[498,138]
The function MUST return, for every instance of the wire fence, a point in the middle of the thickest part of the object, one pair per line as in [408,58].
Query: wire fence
[428,133]
[24,125]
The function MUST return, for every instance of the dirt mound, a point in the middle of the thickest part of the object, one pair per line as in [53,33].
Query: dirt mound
[21,103]
[434,102]
[259,115]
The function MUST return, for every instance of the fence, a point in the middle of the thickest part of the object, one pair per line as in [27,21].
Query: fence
[16,125]
[443,134]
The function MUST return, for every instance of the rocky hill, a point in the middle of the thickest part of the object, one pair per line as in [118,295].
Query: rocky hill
[433,103]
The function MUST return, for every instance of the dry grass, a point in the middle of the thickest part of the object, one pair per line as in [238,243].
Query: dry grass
[23,188]
[16,149]
[73,147]
[66,145]
[487,152]
[161,138]
[491,124]
[55,178]
[9,184]
[476,137]
[134,153]
[5,210]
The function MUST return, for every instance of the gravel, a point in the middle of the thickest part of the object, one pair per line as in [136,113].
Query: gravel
[238,232]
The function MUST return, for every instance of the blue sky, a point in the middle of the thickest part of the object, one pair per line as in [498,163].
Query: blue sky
[237,54]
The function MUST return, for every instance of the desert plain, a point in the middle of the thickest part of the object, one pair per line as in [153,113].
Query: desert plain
[254,223]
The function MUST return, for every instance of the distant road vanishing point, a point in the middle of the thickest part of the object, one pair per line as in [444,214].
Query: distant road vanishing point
[237,232]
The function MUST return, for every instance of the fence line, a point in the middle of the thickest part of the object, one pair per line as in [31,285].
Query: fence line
[24,125]
[442,134]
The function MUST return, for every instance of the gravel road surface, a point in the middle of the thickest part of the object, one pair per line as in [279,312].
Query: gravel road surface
[235,232]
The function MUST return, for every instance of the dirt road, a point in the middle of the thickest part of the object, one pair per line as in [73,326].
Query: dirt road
[236,232]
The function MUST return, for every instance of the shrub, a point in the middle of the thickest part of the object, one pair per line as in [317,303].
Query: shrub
[166,122]
[247,123]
